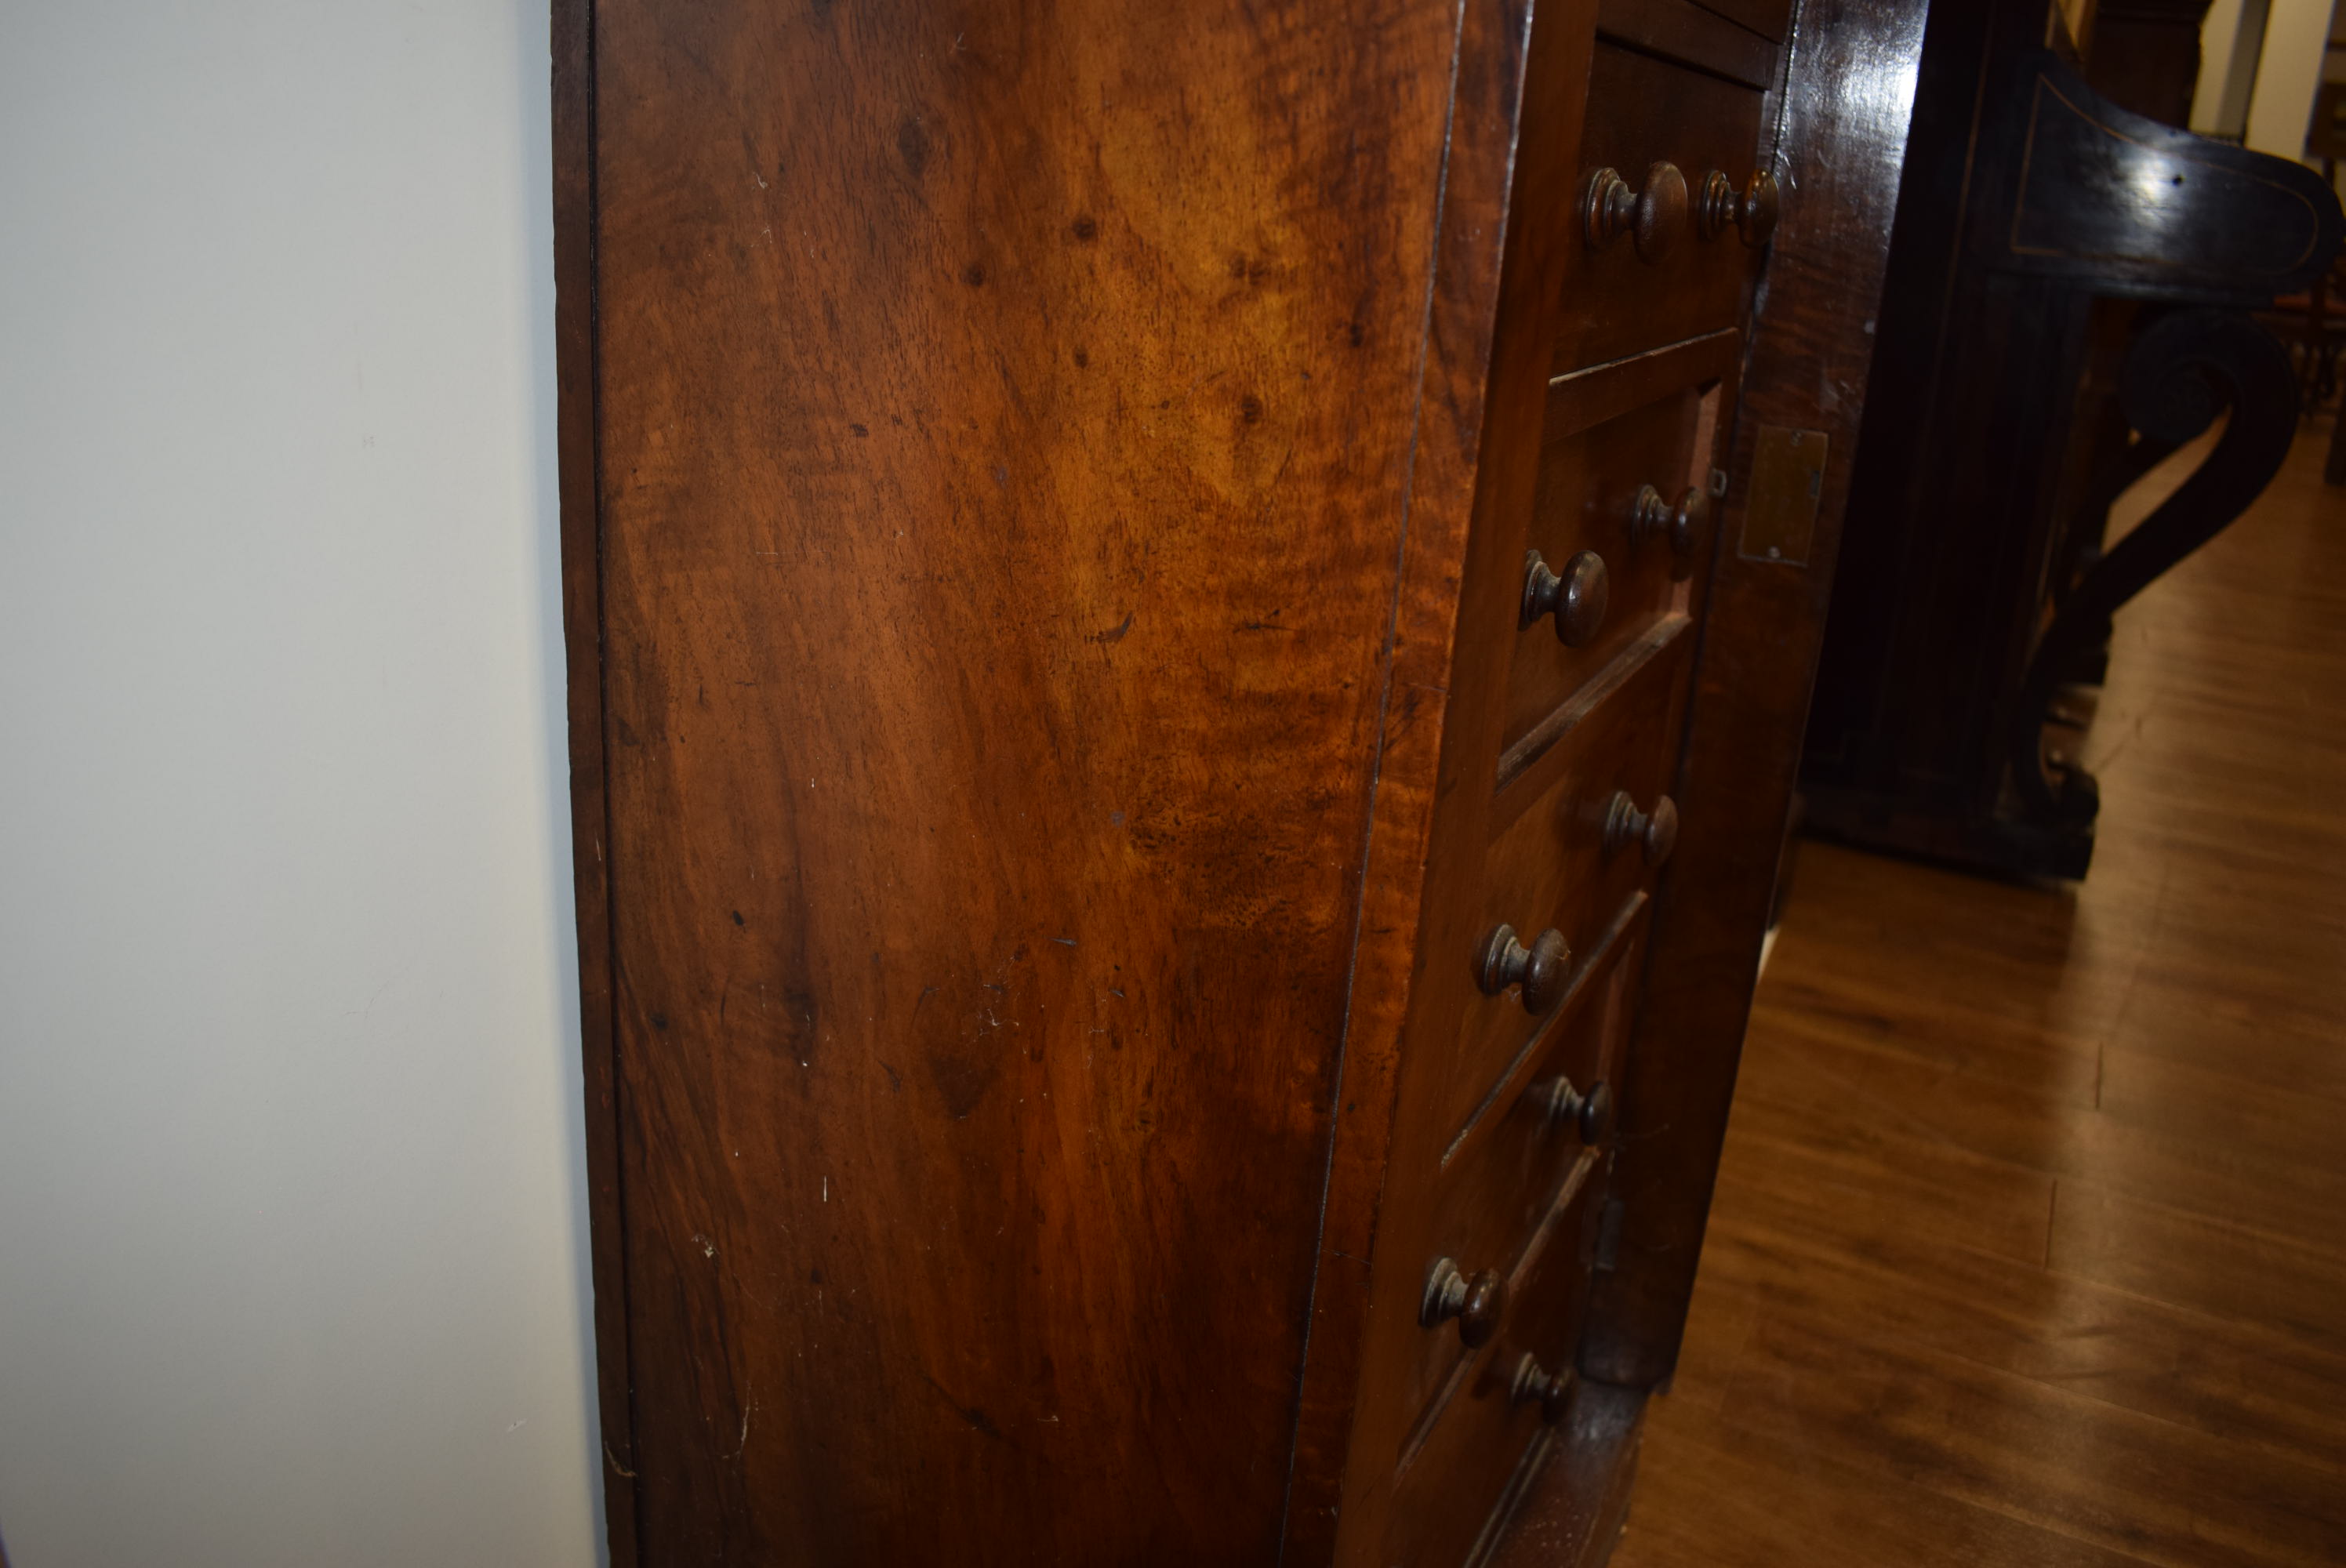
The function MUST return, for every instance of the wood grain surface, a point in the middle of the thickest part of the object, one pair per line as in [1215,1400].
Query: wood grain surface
[2046,243]
[2027,1248]
[1581,1496]
[1043,553]
[571,48]
[1841,128]
[1506,235]
[1478,194]
[1005,425]
[1646,110]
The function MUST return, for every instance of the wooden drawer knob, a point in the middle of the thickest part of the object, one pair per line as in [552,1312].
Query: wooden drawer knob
[1576,598]
[1476,1303]
[1540,969]
[1680,526]
[1657,830]
[1552,1390]
[1652,217]
[1589,1115]
[1753,210]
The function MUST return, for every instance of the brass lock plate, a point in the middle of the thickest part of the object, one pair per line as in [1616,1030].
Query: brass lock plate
[1788,478]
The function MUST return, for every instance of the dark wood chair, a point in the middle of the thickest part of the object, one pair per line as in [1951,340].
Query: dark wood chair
[2073,293]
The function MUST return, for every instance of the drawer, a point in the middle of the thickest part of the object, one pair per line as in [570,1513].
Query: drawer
[1556,867]
[1453,1480]
[1705,36]
[1624,506]
[1621,299]
[1769,18]
[1537,1139]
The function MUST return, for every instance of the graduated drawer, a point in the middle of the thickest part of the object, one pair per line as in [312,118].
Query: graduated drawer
[1458,1473]
[1624,502]
[1552,864]
[1525,1151]
[1769,18]
[1621,297]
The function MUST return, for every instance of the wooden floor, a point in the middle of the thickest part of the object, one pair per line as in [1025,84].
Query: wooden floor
[2030,1243]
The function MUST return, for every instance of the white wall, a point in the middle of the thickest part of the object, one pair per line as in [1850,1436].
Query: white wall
[2289,73]
[292,1263]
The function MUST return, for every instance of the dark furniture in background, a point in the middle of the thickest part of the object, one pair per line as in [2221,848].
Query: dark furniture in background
[1185,670]
[2144,56]
[2070,300]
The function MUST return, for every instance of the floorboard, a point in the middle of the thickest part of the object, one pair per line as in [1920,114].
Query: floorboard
[2028,1247]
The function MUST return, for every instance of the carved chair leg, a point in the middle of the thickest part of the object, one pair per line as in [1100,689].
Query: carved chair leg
[2183,369]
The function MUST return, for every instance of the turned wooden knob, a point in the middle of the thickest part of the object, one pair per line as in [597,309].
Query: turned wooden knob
[1657,830]
[1680,526]
[1652,217]
[1589,1115]
[1576,598]
[1552,1390]
[1540,969]
[1753,210]
[1476,1301]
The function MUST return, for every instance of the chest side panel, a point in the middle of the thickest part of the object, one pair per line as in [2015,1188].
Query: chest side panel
[1006,416]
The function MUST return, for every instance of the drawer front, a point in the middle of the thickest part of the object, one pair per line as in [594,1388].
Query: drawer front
[1623,296]
[1555,867]
[1628,502]
[1769,18]
[1541,1135]
[1453,1480]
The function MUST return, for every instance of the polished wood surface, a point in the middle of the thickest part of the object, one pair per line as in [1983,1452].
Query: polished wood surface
[1556,289]
[2027,1247]
[1589,487]
[1551,869]
[1522,94]
[1848,83]
[1579,1499]
[2047,242]
[1769,18]
[1006,428]
[1047,491]
[1451,1492]
[1626,298]
[571,48]
[1692,35]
